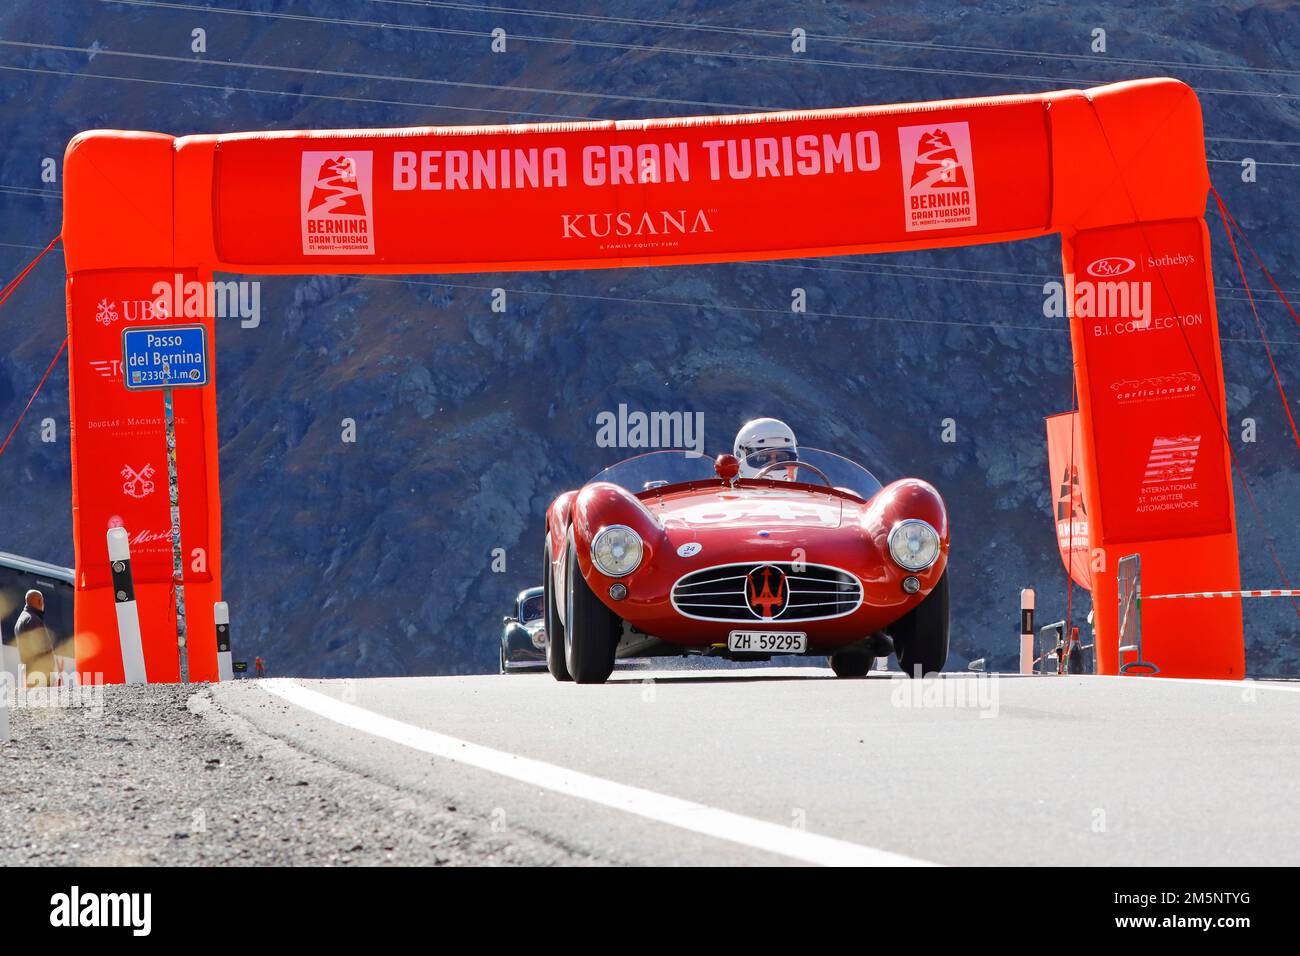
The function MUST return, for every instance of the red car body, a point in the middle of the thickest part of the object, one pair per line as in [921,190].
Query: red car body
[807,557]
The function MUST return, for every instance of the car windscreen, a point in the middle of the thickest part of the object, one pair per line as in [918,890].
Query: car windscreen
[658,468]
[533,608]
[675,467]
[839,471]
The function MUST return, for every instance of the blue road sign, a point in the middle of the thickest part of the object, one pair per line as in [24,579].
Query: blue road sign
[170,356]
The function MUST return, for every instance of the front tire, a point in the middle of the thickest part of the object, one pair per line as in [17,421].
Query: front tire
[921,637]
[591,636]
[554,629]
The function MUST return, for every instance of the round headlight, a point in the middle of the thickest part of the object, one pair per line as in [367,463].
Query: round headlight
[616,550]
[913,544]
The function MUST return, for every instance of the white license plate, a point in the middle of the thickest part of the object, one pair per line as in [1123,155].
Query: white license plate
[768,642]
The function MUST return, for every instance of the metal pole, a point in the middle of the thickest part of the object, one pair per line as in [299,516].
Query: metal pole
[1027,631]
[174,495]
[128,615]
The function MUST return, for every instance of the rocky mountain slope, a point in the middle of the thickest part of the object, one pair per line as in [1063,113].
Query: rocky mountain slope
[375,558]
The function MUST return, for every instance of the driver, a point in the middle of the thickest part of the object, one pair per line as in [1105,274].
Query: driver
[765,441]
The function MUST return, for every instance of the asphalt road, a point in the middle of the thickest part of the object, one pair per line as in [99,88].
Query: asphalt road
[793,766]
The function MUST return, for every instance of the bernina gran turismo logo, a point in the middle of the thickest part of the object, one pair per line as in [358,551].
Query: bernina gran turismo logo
[337,198]
[938,176]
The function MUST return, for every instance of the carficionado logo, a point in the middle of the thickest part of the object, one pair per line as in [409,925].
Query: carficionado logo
[938,176]
[338,203]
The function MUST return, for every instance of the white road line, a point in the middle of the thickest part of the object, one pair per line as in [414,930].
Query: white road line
[696,817]
[1203,681]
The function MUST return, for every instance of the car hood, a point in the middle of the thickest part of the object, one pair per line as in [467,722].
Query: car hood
[768,508]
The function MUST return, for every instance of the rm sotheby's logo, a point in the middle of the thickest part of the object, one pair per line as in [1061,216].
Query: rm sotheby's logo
[938,176]
[337,198]
[1108,267]
[75,908]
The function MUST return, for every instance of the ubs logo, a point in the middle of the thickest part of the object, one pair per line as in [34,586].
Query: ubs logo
[1111,266]
[131,310]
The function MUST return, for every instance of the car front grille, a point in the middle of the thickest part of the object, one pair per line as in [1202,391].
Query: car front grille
[767,592]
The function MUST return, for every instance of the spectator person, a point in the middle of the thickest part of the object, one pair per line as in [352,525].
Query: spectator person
[259,666]
[35,647]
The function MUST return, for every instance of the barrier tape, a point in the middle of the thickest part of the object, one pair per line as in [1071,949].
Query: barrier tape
[1278,592]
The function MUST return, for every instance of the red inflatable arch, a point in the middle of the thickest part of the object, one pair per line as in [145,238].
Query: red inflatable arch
[1119,171]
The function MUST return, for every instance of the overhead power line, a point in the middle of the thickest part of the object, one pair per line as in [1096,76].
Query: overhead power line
[750,32]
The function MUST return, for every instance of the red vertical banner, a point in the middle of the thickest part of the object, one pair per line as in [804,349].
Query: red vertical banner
[1140,292]
[120,470]
[1155,476]
[1069,511]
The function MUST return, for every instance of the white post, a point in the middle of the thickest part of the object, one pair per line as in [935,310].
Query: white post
[128,615]
[225,665]
[5,683]
[11,662]
[11,678]
[1027,631]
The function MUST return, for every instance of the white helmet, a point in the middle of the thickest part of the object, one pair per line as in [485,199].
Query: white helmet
[763,441]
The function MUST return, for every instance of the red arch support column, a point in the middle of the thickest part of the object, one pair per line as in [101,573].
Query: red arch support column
[118,228]
[1155,443]
[120,479]
[1118,171]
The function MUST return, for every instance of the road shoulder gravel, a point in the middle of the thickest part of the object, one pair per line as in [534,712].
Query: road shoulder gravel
[163,775]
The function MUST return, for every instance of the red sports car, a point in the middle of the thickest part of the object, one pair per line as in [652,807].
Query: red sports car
[670,553]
